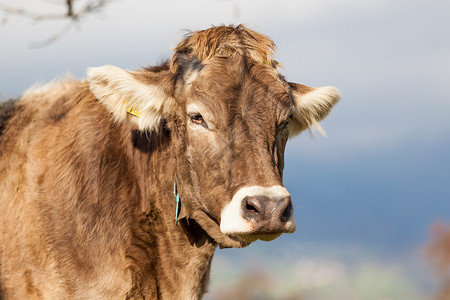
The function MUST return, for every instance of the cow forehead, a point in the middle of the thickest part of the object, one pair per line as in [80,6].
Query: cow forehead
[226,85]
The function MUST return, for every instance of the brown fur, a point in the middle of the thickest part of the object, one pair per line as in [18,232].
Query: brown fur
[6,111]
[86,201]
[226,41]
[438,254]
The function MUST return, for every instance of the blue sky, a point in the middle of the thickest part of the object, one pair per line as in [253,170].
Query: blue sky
[382,175]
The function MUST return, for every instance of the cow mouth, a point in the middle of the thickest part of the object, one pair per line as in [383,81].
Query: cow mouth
[251,237]
[265,233]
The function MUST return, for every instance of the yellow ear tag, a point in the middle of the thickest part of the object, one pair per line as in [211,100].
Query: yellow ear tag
[133,111]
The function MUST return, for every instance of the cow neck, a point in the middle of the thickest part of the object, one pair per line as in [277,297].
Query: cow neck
[159,247]
[178,214]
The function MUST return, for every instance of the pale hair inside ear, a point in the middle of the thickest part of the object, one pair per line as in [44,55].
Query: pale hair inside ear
[129,99]
[311,105]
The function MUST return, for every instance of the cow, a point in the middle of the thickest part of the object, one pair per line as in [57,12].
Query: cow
[123,185]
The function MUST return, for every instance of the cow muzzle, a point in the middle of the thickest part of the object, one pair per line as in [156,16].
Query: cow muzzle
[258,213]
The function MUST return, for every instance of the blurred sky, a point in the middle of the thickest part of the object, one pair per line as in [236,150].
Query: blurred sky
[382,175]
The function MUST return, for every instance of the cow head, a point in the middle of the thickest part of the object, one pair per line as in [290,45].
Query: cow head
[230,114]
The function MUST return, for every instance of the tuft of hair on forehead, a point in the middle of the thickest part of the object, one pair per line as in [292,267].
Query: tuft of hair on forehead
[225,41]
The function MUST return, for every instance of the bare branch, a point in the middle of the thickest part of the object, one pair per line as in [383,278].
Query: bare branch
[72,15]
[69,8]
[90,7]
[53,38]
[31,15]
[236,9]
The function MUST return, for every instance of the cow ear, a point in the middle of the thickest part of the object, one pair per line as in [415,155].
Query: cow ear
[139,97]
[311,105]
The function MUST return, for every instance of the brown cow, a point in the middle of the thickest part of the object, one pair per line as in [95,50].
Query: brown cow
[88,169]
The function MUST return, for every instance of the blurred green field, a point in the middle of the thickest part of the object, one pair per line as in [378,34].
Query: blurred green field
[319,272]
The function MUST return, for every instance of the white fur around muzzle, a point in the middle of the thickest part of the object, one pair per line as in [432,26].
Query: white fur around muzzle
[234,224]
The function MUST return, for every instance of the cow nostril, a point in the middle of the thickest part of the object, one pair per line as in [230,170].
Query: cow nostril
[253,207]
[250,207]
[287,213]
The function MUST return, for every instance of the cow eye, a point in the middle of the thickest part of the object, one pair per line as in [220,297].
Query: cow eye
[198,119]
